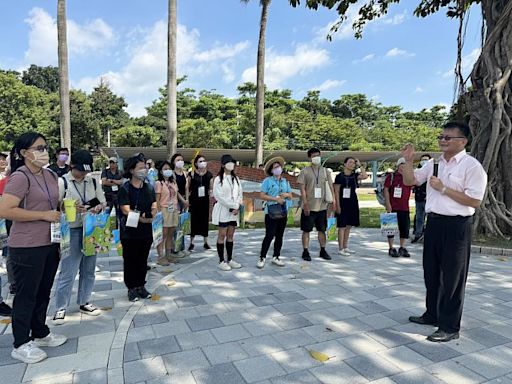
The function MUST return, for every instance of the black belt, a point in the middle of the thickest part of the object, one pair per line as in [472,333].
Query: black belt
[438,216]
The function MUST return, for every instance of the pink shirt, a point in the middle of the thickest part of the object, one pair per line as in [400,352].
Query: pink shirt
[462,173]
[168,193]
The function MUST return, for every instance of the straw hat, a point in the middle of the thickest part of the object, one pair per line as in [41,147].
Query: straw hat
[268,164]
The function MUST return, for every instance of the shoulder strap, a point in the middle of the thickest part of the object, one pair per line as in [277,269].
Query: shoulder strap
[65,184]
[28,179]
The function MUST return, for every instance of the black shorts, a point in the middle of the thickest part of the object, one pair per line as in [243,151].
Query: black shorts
[228,224]
[404,223]
[317,219]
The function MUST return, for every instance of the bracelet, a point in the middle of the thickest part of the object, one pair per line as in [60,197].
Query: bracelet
[443,191]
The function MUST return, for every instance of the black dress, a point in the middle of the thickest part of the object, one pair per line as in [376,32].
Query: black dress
[181,181]
[349,205]
[199,206]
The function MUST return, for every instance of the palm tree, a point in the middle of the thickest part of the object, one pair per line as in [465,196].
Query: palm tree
[172,119]
[65,119]
[260,81]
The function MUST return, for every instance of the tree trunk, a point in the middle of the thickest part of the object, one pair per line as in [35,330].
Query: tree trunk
[489,104]
[260,84]
[172,113]
[65,118]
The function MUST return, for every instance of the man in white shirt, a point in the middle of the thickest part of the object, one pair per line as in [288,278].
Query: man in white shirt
[456,185]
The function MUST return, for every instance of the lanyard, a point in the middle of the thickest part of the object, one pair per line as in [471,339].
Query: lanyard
[169,187]
[47,189]
[317,175]
[83,198]
[138,195]
[279,184]
[232,186]
[347,180]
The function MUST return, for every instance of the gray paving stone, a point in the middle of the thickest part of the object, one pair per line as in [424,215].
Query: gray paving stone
[337,374]
[416,376]
[196,339]
[230,333]
[6,341]
[157,347]
[485,337]
[436,352]
[296,359]
[103,286]
[94,376]
[372,366]
[322,333]
[225,353]
[294,338]
[259,368]
[289,308]
[260,345]
[189,301]
[452,372]
[369,307]
[204,322]
[105,303]
[68,348]
[144,319]
[141,333]
[485,365]
[262,327]
[301,377]
[344,311]
[131,352]
[142,370]
[292,322]
[186,361]
[172,328]
[263,300]
[235,317]
[264,289]
[290,296]
[332,348]
[389,337]
[5,357]
[222,373]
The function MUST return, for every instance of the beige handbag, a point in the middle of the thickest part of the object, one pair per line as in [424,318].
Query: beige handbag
[328,193]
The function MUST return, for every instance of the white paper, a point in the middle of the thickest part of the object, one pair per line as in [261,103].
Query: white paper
[201,192]
[318,193]
[346,193]
[115,188]
[55,234]
[133,219]
[397,194]
[170,207]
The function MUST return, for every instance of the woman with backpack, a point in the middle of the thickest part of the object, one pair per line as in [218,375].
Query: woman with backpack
[227,190]
[345,186]
[31,202]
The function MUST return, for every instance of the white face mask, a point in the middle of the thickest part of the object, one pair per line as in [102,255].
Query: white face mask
[229,166]
[179,164]
[141,174]
[317,160]
[167,172]
[277,171]
[202,164]
[423,162]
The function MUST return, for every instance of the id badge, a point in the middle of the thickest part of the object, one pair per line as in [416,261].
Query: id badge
[133,219]
[170,207]
[55,233]
[346,193]
[397,194]
[318,193]
[115,188]
[201,192]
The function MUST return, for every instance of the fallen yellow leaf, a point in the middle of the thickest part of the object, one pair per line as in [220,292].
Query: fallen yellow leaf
[167,271]
[170,283]
[502,259]
[322,357]
[106,308]
[6,321]
[155,297]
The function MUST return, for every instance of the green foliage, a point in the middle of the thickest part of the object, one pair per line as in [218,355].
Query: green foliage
[45,78]
[136,136]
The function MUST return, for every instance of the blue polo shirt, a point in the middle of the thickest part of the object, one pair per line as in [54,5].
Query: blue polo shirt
[273,187]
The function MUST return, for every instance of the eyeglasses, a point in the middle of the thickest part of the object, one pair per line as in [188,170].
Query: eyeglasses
[448,138]
[40,148]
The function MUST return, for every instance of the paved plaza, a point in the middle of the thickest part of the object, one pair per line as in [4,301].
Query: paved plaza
[205,326]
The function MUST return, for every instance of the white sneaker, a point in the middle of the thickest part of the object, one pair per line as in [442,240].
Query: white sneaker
[234,265]
[343,252]
[90,310]
[350,251]
[261,263]
[60,317]
[277,261]
[224,266]
[52,340]
[29,353]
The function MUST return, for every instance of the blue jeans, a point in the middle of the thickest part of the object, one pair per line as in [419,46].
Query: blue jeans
[69,267]
[419,224]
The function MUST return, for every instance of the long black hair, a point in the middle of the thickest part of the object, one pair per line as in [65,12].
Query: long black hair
[233,176]
[160,175]
[25,141]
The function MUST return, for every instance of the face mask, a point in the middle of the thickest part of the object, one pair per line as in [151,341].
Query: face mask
[423,162]
[40,158]
[229,166]
[141,174]
[317,160]
[179,164]
[202,164]
[277,171]
[63,158]
[167,173]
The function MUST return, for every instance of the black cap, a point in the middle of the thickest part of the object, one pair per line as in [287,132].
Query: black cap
[82,160]
[227,159]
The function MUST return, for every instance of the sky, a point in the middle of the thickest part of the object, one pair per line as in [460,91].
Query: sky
[401,60]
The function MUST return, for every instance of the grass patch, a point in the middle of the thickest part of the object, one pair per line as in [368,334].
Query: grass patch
[491,241]
[366,197]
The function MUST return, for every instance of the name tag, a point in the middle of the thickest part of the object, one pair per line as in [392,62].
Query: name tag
[55,233]
[201,192]
[346,193]
[115,188]
[133,219]
[397,194]
[170,207]
[318,193]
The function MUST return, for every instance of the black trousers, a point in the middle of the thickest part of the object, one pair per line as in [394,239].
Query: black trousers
[34,271]
[135,256]
[446,252]
[274,228]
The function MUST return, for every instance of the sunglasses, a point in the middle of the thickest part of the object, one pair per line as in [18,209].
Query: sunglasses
[448,138]
[40,148]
